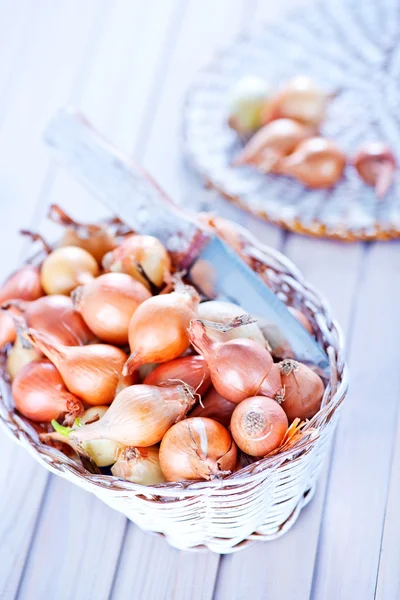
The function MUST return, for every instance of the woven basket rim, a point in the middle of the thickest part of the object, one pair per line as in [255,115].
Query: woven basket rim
[330,335]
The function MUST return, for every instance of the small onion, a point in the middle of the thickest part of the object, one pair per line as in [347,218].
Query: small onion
[65,268]
[239,368]
[303,390]
[246,102]
[376,164]
[258,425]
[143,257]
[24,284]
[140,415]
[214,406]
[19,356]
[40,394]
[7,329]
[102,452]
[192,370]
[107,304]
[223,312]
[158,330]
[139,465]
[197,448]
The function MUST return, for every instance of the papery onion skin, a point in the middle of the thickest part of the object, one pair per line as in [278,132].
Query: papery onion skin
[214,406]
[192,370]
[24,284]
[197,448]
[107,304]
[239,368]
[316,163]
[90,372]
[158,330]
[40,394]
[304,390]
[222,312]
[19,356]
[140,415]
[103,452]
[143,257]
[55,316]
[139,465]
[65,268]
[258,425]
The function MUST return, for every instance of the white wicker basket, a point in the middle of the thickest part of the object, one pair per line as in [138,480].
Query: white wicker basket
[259,502]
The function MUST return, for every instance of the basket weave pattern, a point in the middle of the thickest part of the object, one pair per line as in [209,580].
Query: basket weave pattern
[259,502]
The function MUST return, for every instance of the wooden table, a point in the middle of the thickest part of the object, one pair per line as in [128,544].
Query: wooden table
[126,64]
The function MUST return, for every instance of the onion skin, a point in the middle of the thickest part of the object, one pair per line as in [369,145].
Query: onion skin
[197,448]
[158,330]
[19,356]
[258,425]
[143,257]
[239,368]
[193,370]
[140,415]
[56,317]
[139,465]
[40,394]
[223,312]
[304,390]
[90,372]
[107,304]
[24,284]
[214,407]
[65,268]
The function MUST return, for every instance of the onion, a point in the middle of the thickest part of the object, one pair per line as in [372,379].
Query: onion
[56,317]
[192,370]
[299,99]
[158,328]
[316,163]
[143,257]
[107,304]
[376,163]
[303,390]
[65,268]
[24,284]
[258,425]
[91,372]
[214,406]
[93,238]
[139,465]
[40,394]
[19,356]
[246,101]
[223,312]
[271,143]
[140,415]
[239,368]
[103,452]
[7,329]
[197,448]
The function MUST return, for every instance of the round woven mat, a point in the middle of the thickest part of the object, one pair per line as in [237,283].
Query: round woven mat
[351,47]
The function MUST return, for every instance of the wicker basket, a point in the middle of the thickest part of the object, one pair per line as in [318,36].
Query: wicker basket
[261,501]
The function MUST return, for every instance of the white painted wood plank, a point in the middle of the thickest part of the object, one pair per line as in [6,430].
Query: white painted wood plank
[348,554]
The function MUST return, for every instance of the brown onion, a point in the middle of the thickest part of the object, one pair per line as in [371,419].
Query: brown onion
[65,268]
[40,394]
[271,143]
[107,304]
[7,329]
[376,164]
[91,372]
[303,390]
[56,317]
[192,370]
[197,448]
[316,163]
[24,284]
[140,415]
[239,368]
[214,406]
[139,465]
[95,238]
[143,257]
[20,355]
[158,328]
[258,425]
